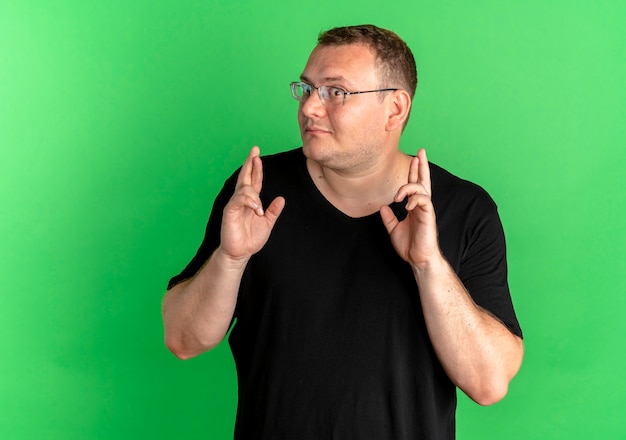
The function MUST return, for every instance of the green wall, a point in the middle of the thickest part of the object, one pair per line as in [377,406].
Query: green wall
[120,119]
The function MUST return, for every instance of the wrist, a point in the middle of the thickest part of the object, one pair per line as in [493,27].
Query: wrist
[431,266]
[227,262]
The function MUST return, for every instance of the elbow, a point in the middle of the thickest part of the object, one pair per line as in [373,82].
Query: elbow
[183,349]
[185,337]
[485,391]
[493,387]
[176,346]
[178,349]
[178,338]
[490,393]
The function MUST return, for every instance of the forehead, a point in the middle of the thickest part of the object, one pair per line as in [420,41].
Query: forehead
[349,63]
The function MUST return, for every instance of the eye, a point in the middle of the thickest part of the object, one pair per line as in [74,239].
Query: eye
[306,89]
[336,93]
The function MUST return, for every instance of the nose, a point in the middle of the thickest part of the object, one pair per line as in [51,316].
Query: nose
[313,106]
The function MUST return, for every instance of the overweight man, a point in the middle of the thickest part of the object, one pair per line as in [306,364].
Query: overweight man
[361,285]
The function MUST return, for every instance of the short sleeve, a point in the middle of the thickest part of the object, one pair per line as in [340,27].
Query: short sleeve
[483,269]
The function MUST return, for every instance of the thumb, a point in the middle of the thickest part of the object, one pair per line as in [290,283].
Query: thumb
[276,207]
[389,218]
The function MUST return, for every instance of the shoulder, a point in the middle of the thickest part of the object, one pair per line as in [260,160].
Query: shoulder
[470,231]
[450,190]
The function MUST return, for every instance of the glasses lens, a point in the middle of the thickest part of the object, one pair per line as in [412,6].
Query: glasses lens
[299,91]
[335,95]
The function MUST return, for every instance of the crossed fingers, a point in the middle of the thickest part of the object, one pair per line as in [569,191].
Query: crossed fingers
[418,187]
[250,181]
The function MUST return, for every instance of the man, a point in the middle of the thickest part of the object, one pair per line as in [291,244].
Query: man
[366,284]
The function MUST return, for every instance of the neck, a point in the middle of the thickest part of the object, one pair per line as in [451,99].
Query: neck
[358,193]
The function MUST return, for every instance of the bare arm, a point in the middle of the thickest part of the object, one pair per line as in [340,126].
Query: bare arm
[197,312]
[479,354]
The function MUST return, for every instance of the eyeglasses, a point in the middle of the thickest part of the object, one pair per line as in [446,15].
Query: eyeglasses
[335,96]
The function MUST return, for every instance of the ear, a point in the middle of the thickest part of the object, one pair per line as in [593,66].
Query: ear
[398,107]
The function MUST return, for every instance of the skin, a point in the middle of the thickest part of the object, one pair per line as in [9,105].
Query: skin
[353,156]
[352,150]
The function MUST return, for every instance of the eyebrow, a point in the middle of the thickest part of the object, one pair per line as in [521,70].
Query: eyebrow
[327,79]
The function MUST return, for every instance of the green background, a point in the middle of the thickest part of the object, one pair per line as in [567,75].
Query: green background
[119,121]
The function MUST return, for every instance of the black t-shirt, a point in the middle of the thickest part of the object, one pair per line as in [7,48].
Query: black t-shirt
[329,339]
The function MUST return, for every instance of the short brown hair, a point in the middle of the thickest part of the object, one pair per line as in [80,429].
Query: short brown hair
[394,57]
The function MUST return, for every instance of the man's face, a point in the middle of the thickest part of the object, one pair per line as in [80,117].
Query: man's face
[348,136]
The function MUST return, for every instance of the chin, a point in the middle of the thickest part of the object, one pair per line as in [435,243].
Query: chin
[316,151]
[325,155]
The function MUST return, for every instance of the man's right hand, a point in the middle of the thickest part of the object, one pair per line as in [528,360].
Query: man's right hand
[246,227]
[198,312]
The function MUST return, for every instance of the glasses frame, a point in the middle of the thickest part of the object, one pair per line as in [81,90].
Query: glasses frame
[324,92]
